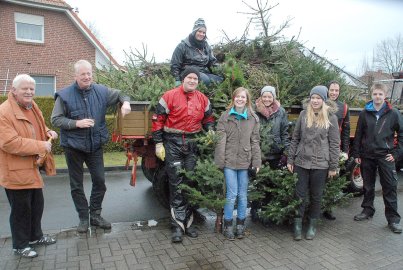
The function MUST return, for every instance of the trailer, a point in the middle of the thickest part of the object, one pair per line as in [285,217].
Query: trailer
[134,132]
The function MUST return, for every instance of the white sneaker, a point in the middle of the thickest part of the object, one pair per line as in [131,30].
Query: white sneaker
[27,252]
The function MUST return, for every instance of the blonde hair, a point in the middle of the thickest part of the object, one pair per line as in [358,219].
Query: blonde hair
[379,86]
[321,119]
[248,98]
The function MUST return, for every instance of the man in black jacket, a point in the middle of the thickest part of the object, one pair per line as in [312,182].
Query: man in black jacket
[343,119]
[194,51]
[374,149]
[79,112]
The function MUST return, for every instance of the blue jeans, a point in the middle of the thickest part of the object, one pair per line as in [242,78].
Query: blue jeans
[208,78]
[236,182]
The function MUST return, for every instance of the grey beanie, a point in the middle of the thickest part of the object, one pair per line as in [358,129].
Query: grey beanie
[319,90]
[189,70]
[199,23]
[269,89]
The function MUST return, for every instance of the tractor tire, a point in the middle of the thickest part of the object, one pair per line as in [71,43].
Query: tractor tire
[161,186]
[149,173]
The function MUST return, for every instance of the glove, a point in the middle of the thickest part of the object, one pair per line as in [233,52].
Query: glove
[177,83]
[160,151]
[343,156]
[283,161]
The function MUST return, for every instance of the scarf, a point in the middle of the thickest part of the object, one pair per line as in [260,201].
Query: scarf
[49,163]
[267,111]
[238,115]
[199,44]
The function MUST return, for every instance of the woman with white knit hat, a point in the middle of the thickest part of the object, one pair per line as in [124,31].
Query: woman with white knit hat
[274,139]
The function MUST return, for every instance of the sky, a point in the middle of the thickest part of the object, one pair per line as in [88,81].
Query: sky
[344,31]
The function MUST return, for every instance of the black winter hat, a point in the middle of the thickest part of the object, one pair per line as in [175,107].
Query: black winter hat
[189,70]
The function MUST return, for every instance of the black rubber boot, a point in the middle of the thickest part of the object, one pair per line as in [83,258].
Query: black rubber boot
[177,235]
[191,232]
[228,231]
[97,220]
[83,226]
[240,228]
[311,232]
[297,229]
[254,211]
[328,214]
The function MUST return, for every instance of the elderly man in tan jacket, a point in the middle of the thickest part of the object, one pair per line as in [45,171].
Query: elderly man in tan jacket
[23,138]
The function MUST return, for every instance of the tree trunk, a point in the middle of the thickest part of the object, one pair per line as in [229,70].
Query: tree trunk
[218,221]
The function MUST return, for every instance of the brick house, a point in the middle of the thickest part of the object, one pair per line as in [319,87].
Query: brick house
[44,38]
[370,76]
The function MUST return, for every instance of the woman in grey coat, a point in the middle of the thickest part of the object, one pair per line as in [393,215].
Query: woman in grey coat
[313,155]
[237,149]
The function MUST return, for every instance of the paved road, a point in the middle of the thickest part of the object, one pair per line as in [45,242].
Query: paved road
[122,202]
[340,244]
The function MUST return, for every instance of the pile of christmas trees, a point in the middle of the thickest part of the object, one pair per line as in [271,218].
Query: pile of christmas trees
[292,73]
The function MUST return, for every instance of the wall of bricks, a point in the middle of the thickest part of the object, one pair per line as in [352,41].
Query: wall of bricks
[64,45]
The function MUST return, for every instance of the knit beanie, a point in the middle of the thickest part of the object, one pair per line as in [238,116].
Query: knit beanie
[189,70]
[269,89]
[319,90]
[199,23]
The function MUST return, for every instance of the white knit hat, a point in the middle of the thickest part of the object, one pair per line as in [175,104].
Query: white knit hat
[269,89]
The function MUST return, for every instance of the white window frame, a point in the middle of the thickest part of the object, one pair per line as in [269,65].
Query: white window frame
[38,84]
[22,18]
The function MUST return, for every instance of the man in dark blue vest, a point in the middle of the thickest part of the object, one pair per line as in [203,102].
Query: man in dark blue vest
[79,112]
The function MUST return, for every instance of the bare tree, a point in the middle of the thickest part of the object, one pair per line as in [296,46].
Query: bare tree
[389,54]
[94,30]
[366,65]
[261,17]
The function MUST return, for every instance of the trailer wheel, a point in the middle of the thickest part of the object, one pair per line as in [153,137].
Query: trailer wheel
[149,173]
[356,181]
[161,186]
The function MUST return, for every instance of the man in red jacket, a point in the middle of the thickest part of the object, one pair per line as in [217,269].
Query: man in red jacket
[180,114]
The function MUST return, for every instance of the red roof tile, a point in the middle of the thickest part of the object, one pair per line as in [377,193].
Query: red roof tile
[57,3]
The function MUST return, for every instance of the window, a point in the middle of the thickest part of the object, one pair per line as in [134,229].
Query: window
[29,27]
[45,85]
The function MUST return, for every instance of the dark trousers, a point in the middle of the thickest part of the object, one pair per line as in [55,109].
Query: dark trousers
[26,215]
[180,154]
[388,180]
[75,160]
[310,182]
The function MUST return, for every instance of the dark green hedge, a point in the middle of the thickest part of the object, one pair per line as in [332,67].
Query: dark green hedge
[46,106]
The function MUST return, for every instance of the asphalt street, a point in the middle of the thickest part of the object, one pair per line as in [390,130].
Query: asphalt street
[122,202]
